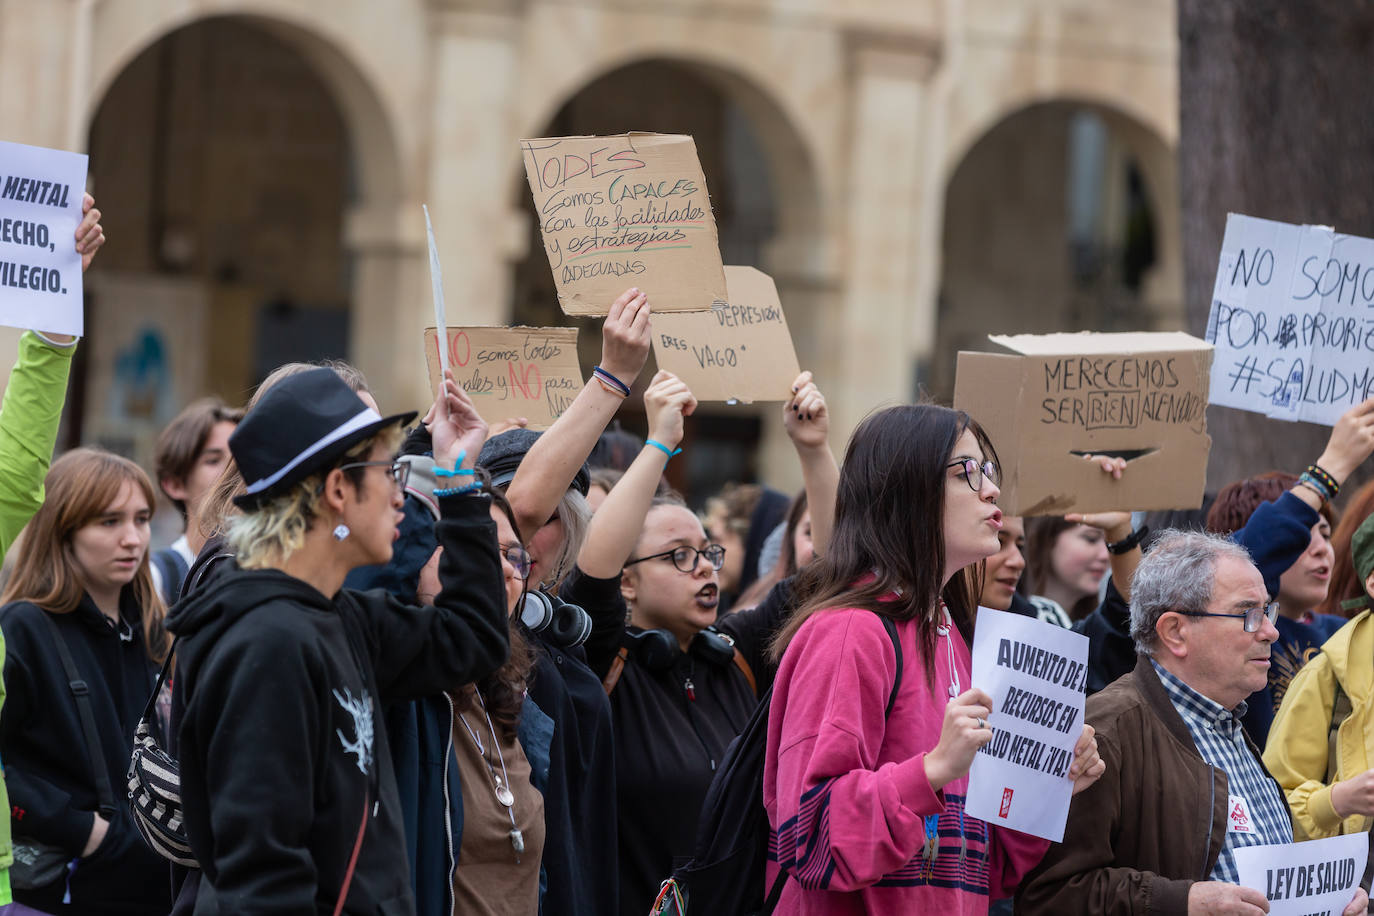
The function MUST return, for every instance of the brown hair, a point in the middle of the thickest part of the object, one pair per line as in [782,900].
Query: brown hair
[787,559]
[181,442]
[218,506]
[1238,501]
[736,503]
[1042,533]
[80,486]
[1345,582]
[889,527]
[503,691]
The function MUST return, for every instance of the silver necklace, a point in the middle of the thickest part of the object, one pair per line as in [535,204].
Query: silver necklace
[502,782]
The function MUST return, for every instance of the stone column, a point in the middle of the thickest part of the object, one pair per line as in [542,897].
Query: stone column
[474,159]
[887,305]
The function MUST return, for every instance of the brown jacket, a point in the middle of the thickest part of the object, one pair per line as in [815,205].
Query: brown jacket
[1138,838]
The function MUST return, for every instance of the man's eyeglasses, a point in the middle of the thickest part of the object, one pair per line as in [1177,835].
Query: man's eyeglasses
[398,469]
[686,558]
[516,556]
[1252,615]
[975,472]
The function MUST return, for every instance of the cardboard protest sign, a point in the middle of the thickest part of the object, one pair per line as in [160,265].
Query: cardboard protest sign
[511,372]
[1036,674]
[622,211]
[1315,878]
[740,351]
[40,208]
[1140,396]
[1292,320]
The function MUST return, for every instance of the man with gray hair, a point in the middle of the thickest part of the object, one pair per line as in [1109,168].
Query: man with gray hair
[1184,786]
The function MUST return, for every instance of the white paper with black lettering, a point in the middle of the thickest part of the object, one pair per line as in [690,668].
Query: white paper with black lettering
[40,208]
[1305,879]
[1035,673]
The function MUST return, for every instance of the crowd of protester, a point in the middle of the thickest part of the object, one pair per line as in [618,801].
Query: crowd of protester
[459,666]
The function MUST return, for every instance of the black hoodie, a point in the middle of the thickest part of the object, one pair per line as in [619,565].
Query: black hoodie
[283,746]
[48,767]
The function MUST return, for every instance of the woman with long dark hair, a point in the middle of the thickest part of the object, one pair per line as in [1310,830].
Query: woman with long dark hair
[82,584]
[868,807]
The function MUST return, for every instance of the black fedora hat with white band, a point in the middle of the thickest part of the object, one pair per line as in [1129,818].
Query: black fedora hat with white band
[304,424]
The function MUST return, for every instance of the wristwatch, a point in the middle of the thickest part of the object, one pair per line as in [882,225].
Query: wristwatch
[1130,542]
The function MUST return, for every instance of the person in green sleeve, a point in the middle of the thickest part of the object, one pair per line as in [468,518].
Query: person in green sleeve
[29,417]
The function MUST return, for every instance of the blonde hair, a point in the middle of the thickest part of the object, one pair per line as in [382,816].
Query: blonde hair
[79,487]
[268,535]
[217,509]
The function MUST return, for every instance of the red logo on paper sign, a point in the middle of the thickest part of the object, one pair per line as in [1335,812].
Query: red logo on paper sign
[1006,803]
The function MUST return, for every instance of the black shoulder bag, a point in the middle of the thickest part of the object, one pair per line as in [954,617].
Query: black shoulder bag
[39,864]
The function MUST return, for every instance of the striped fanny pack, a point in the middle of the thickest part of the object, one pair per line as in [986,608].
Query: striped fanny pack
[155,786]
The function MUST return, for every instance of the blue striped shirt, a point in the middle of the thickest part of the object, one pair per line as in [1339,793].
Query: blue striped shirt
[1220,740]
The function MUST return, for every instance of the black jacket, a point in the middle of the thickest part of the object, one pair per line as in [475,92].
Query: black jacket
[283,745]
[47,766]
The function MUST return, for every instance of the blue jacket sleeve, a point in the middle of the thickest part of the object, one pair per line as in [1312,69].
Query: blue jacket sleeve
[1276,535]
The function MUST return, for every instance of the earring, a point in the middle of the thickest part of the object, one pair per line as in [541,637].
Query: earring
[341,532]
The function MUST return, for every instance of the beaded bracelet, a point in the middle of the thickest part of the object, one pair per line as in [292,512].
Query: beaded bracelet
[606,378]
[1316,485]
[474,487]
[670,452]
[1325,478]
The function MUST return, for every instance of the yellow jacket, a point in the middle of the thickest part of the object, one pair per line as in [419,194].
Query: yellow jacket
[1298,745]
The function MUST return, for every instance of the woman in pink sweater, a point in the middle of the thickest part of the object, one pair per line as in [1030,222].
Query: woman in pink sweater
[867,808]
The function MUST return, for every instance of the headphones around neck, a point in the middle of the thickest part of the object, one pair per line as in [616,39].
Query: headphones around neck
[563,624]
[656,650]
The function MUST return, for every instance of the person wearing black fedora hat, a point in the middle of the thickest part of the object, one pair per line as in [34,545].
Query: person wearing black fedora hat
[289,797]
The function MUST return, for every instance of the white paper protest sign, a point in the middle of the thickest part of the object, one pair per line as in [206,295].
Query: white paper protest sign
[1292,320]
[1035,673]
[1315,878]
[40,208]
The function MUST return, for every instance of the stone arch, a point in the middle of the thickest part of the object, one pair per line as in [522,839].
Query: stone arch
[126,28]
[1014,178]
[371,87]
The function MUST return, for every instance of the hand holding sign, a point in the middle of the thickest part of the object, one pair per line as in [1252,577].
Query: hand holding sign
[457,428]
[666,402]
[1351,442]
[964,731]
[1315,878]
[625,336]
[805,416]
[89,235]
[1087,767]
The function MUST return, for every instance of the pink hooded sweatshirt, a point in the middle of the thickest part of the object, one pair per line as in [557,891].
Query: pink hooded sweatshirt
[846,790]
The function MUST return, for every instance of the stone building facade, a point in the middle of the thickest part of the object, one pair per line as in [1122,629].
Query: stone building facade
[913,173]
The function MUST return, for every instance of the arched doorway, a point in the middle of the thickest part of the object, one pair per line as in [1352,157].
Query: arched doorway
[750,158]
[1062,217]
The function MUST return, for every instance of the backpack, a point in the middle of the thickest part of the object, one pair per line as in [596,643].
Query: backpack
[172,567]
[724,875]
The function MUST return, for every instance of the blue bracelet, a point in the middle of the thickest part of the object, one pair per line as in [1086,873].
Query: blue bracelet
[474,487]
[456,472]
[621,386]
[663,448]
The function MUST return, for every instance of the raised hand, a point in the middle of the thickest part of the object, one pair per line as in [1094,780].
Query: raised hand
[1351,442]
[89,235]
[625,336]
[666,401]
[455,425]
[805,415]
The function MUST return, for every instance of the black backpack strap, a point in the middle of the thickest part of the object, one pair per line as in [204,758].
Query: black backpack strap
[774,893]
[897,646]
[82,692]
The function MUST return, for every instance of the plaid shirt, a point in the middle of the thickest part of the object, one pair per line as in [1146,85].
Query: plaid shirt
[1220,740]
